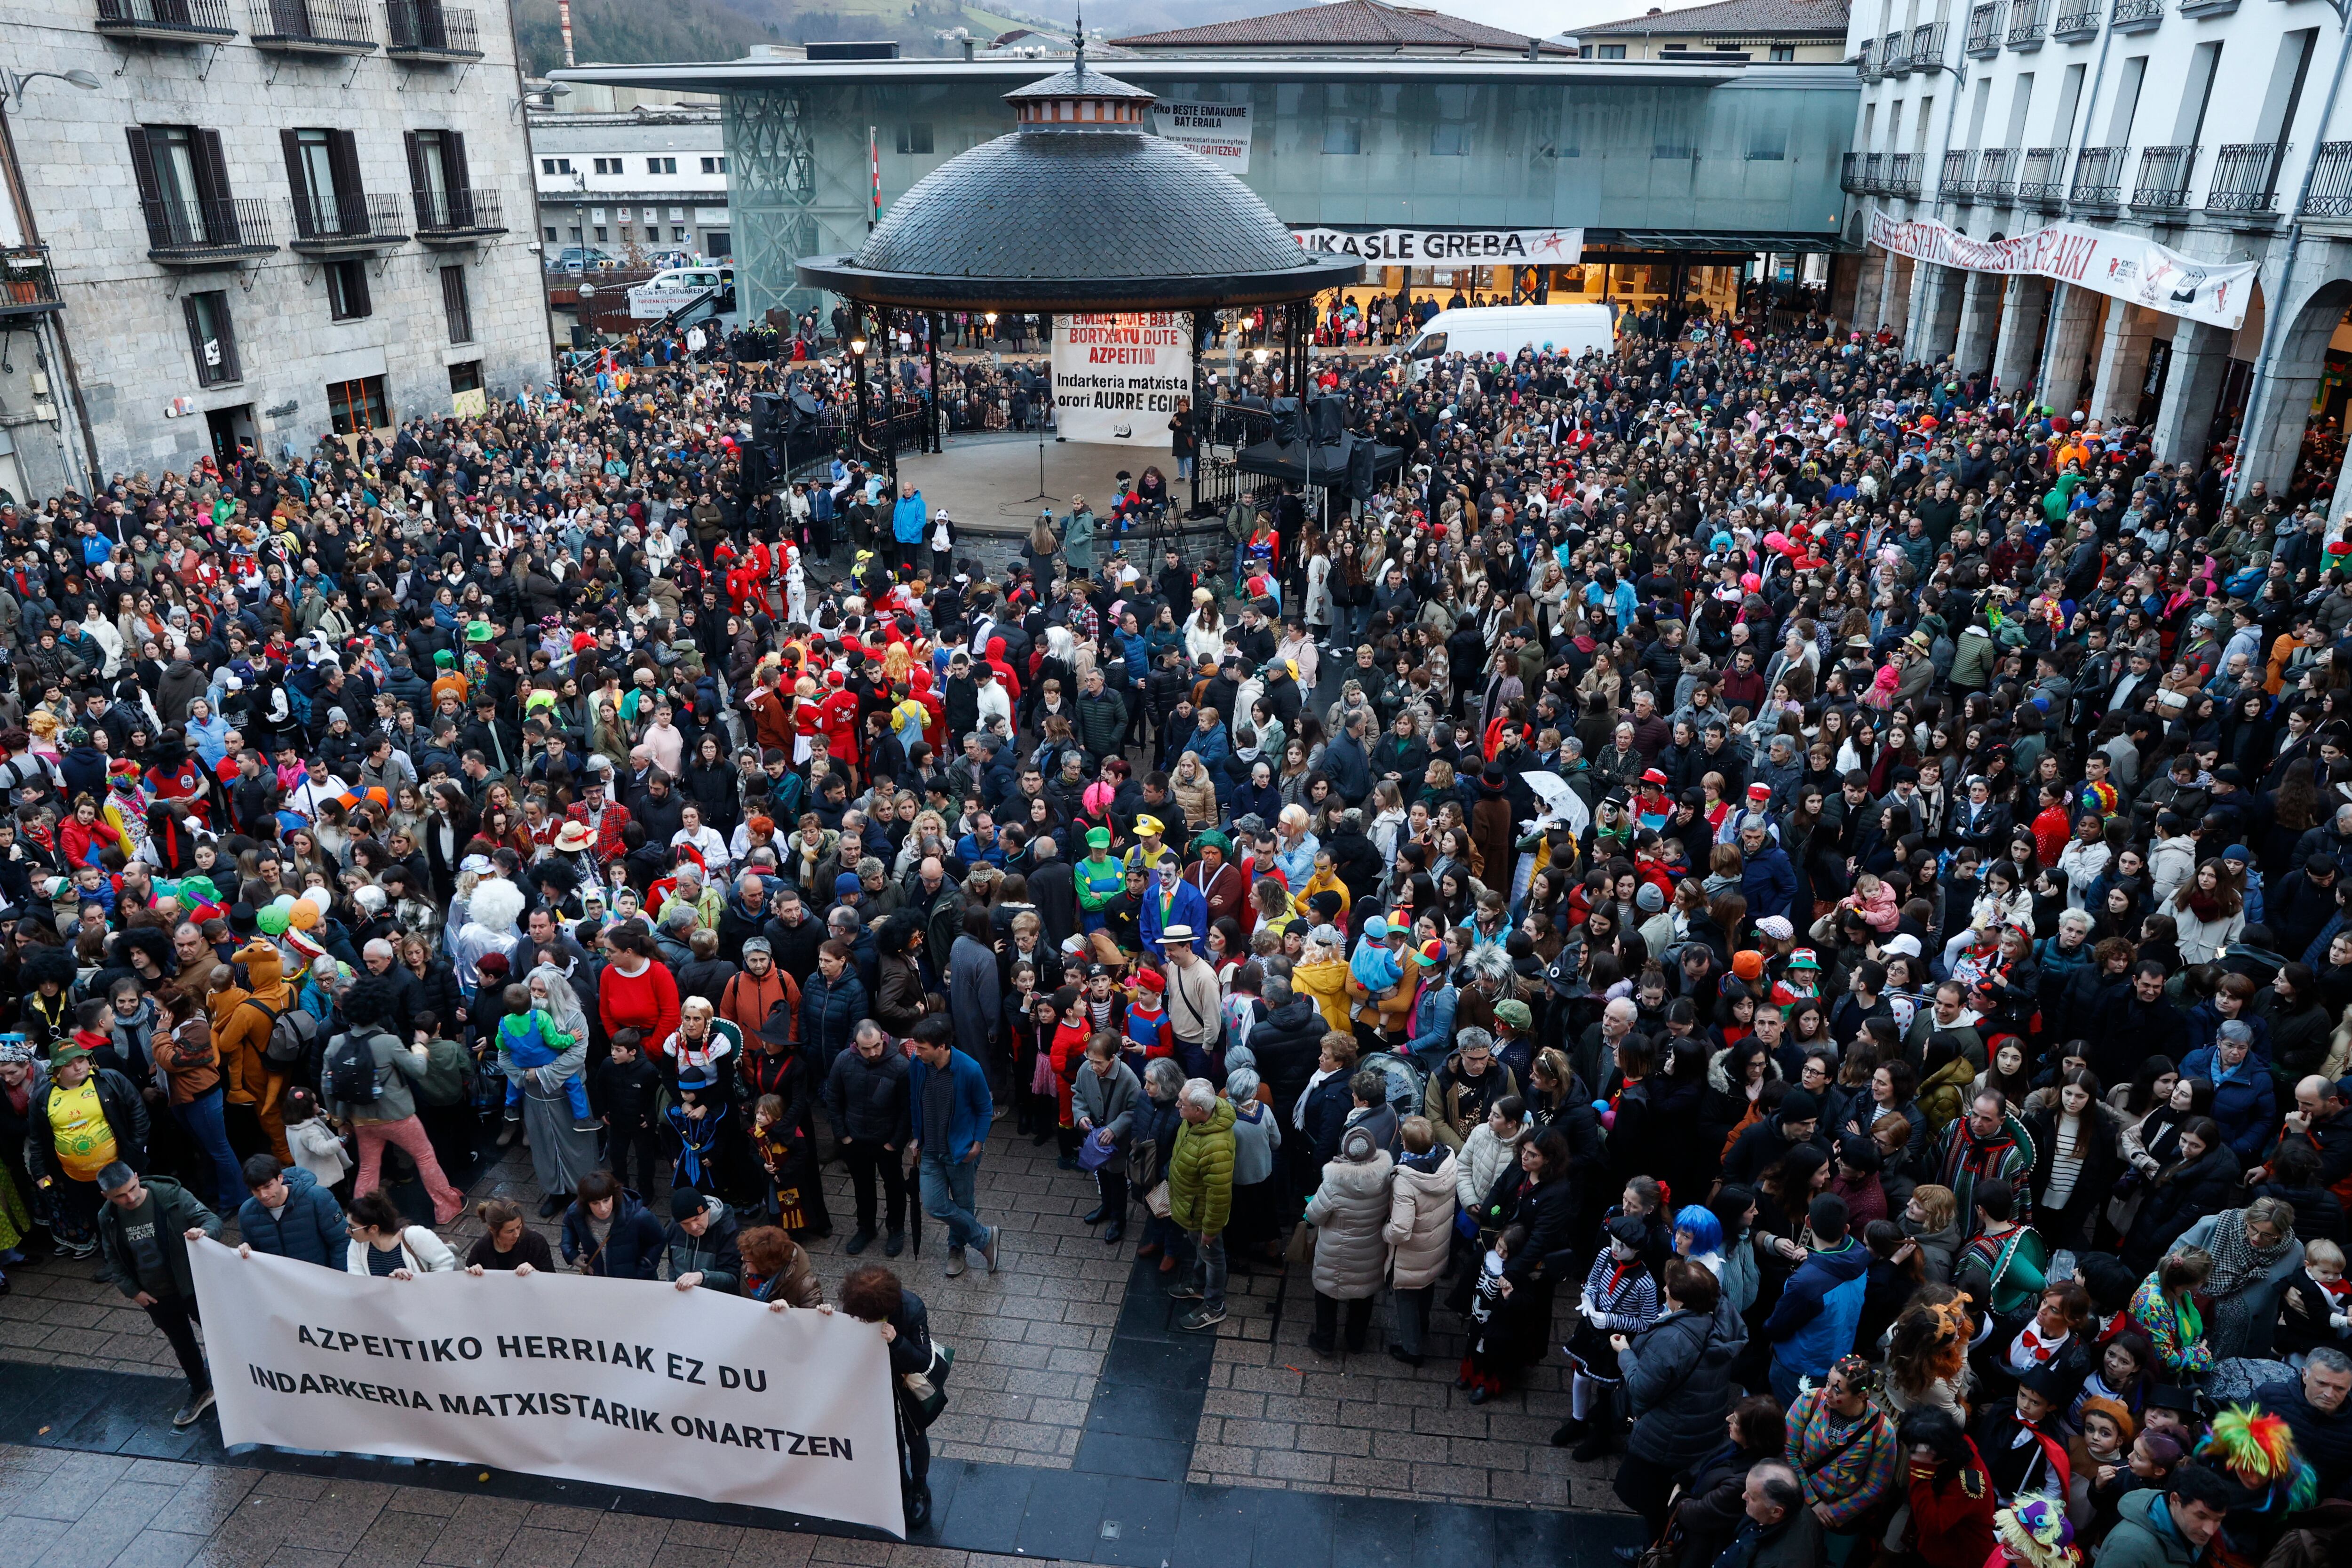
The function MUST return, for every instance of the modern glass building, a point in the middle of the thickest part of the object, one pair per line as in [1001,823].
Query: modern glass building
[1677,175]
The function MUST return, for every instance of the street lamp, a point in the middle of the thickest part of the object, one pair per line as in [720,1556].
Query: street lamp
[17,81]
[857,347]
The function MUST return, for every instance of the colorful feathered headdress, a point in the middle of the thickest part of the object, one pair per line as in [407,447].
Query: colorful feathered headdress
[2258,1449]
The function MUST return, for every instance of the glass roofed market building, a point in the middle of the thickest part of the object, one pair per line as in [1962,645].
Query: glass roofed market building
[1453,157]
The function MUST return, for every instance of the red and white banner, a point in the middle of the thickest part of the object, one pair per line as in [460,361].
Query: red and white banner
[2121,265]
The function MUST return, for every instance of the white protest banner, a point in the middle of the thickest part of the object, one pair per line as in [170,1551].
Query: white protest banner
[1218,131]
[618,1381]
[2101,260]
[1433,247]
[1117,378]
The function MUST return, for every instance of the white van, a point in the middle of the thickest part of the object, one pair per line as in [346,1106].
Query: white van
[1506,329]
[665,290]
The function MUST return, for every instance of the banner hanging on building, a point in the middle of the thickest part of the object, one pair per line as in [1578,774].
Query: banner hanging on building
[1446,247]
[1117,378]
[1218,131]
[2120,265]
[621,1382]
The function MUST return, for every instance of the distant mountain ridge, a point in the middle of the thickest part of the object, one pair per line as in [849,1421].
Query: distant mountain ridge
[634,32]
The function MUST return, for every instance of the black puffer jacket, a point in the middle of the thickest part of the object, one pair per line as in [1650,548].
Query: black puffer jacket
[866,1099]
[1677,1373]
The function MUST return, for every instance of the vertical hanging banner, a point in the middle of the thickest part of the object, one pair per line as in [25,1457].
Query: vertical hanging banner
[621,1382]
[1117,378]
[1218,131]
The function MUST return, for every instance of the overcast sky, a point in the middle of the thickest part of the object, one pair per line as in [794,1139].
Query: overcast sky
[1542,19]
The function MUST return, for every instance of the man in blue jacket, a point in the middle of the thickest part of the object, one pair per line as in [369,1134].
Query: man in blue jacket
[290,1214]
[948,1094]
[910,519]
[1813,1322]
[1765,878]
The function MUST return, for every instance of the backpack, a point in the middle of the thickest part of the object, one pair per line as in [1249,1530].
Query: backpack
[1403,1079]
[350,1070]
[291,1033]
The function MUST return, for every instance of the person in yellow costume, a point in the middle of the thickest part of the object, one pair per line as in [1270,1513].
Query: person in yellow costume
[82,1120]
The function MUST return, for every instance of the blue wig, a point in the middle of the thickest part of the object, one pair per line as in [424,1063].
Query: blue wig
[1706,1231]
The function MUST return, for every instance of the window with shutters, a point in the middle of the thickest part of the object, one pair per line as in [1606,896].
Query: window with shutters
[456,305]
[210,338]
[183,190]
[436,178]
[358,405]
[322,169]
[347,290]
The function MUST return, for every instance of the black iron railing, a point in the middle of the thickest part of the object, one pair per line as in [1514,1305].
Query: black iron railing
[1874,173]
[2028,23]
[2245,178]
[2135,15]
[1850,172]
[2164,173]
[2076,19]
[348,220]
[461,211]
[1903,175]
[1897,54]
[2099,176]
[1926,46]
[163,18]
[188,228]
[427,29]
[317,24]
[1984,29]
[27,283]
[1997,174]
[1959,184]
[1865,62]
[2330,195]
[2038,175]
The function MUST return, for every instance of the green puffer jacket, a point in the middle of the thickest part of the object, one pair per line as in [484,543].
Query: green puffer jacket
[1201,1174]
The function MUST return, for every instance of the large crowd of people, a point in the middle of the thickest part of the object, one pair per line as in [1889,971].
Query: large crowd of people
[1803,887]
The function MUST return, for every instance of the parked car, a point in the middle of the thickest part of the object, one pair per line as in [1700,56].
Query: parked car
[581,258]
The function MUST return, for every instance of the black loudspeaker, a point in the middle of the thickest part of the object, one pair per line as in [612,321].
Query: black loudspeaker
[1330,420]
[767,409]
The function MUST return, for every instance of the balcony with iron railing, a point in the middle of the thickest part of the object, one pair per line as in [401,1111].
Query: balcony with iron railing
[2208,7]
[310,27]
[458,217]
[1956,185]
[1903,175]
[1997,174]
[27,286]
[1984,30]
[1850,172]
[2135,15]
[1865,64]
[167,21]
[1897,53]
[2039,176]
[2164,173]
[207,231]
[2098,177]
[2077,19]
[1927,46]
[429,32]
[2028,23]
[1874,173]
[2330,195]
[346,225]
[2245,179]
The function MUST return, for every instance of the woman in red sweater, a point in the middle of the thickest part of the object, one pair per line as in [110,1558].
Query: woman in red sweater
[639,993]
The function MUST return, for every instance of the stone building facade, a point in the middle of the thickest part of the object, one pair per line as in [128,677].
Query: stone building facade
[272,220]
